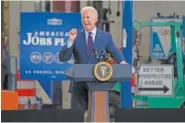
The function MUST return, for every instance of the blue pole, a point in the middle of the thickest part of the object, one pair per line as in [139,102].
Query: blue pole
[126,98]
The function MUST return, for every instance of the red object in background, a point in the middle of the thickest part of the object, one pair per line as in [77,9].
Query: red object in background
[9,100]
[133,80]
[26,90]
[66,6]
[112,61]
[25,87]
[17,75]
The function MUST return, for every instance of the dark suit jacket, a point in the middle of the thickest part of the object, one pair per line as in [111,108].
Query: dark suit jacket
[103,40]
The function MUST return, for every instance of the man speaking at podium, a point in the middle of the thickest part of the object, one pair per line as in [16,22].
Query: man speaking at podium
[81,44]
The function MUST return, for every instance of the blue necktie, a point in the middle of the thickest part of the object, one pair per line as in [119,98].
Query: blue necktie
[90,43]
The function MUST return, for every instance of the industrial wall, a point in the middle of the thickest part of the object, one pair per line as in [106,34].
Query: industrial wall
[143,11]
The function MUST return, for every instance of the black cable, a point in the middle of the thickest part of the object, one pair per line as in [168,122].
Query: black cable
[118,8]
[109,7]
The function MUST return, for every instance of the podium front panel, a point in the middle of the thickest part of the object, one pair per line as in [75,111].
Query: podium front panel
[100,86]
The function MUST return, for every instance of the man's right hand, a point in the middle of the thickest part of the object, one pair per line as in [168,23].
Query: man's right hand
[72,34]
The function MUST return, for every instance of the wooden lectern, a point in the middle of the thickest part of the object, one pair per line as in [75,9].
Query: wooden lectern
[98,105]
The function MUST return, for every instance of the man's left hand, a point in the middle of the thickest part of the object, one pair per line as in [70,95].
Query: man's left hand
[123,62]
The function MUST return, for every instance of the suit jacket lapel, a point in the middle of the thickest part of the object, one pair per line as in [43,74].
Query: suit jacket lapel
[84,43]
[96,38]
[84,39]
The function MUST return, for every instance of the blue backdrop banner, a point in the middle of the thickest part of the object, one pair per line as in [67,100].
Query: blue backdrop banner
[42,36]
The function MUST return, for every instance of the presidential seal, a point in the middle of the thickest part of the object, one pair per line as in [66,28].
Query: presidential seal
[103,71]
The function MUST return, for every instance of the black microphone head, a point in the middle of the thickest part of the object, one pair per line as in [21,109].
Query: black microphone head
[95,52]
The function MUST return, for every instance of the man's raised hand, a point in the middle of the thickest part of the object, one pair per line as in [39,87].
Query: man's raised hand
[72,34]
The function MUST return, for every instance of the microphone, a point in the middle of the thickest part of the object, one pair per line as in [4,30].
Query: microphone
[104,55]
[103,52]
[95,52]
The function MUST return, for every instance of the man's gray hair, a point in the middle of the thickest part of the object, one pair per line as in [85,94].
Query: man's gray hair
[90,8]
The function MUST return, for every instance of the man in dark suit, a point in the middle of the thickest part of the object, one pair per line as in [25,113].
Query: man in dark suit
[80,44]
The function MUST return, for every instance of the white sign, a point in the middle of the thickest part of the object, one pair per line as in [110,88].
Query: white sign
[155,80]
